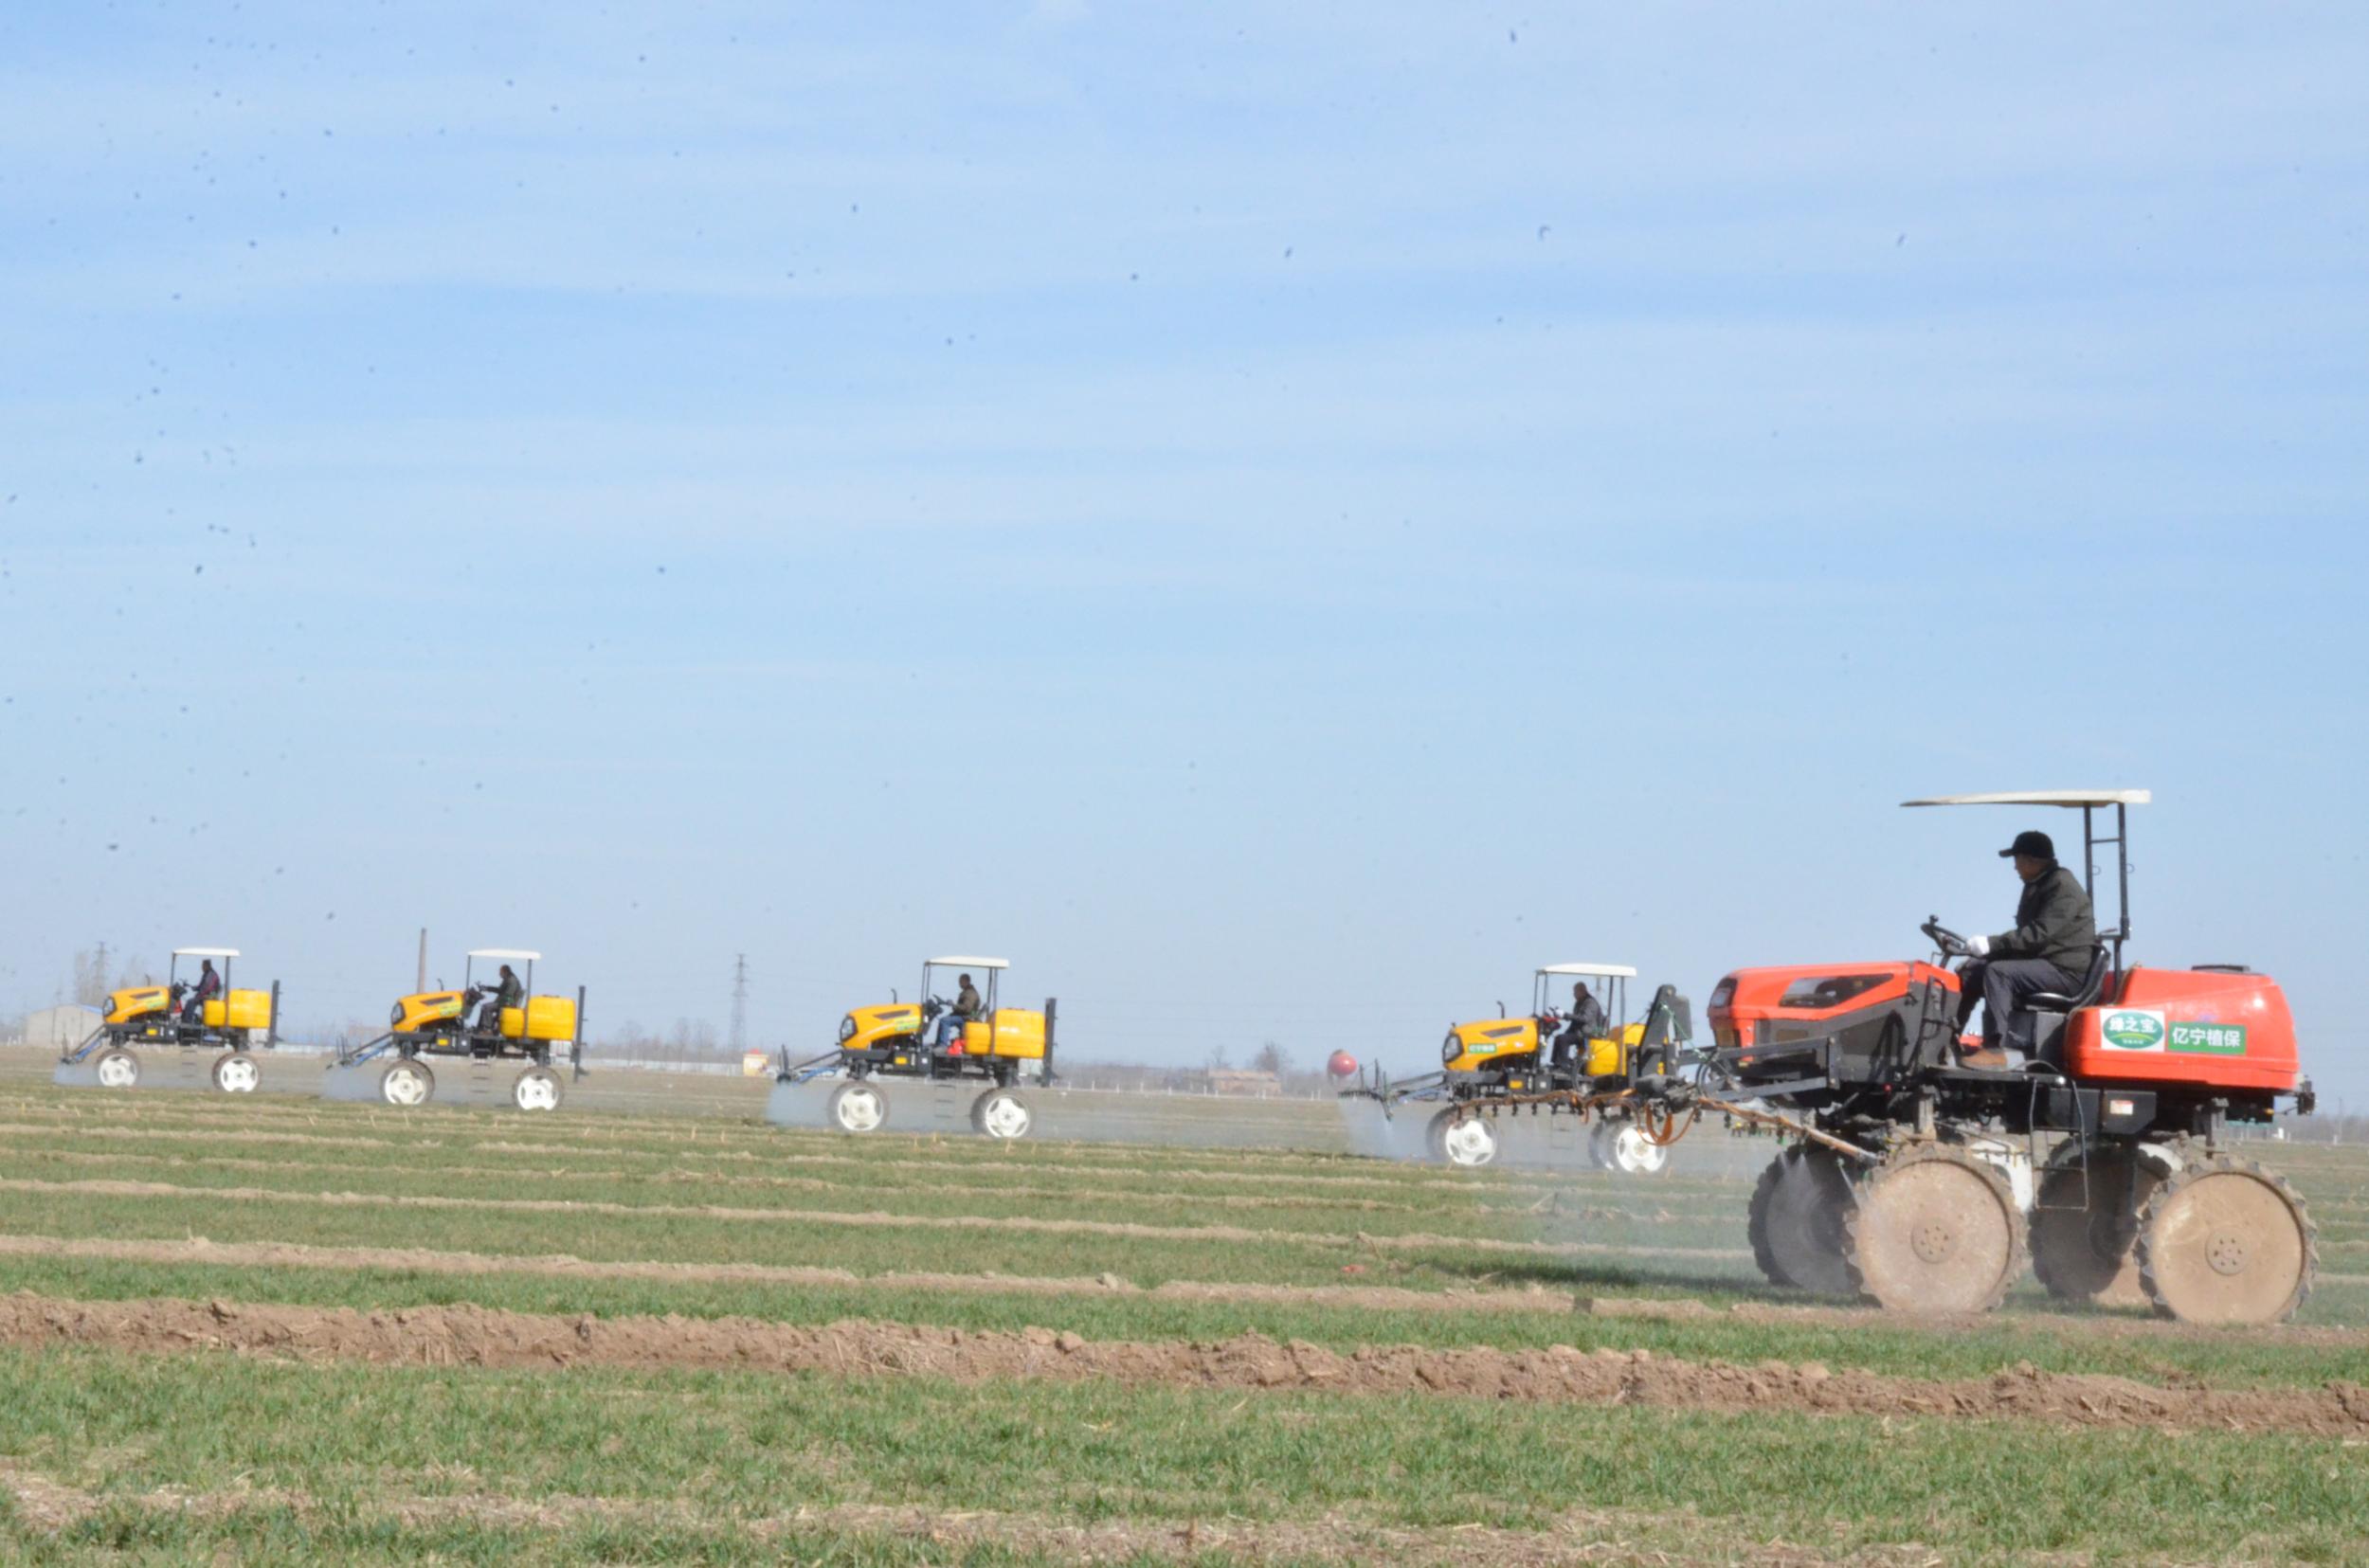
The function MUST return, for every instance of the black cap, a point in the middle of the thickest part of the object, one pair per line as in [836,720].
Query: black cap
[2037,845]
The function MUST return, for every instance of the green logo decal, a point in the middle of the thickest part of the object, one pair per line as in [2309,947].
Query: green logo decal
[2129,1030]
[2210,1039]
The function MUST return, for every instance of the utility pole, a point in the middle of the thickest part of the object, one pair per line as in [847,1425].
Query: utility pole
[422,986]
[740,1004]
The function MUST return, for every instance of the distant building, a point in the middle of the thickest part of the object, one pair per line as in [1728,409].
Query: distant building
[1244,1080]
[60,1028]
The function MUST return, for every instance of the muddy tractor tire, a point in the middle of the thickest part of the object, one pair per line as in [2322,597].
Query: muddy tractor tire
[2224,1241]
[1934,1232]
[1797,1221]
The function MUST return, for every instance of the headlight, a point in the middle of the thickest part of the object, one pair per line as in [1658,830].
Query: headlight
[846,1029]
[395,1017]
[1451,1047]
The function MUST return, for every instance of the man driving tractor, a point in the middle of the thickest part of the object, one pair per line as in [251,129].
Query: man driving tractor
[208,986]
[2049,949]
[510,993]
[967,1008]
[1585,1022]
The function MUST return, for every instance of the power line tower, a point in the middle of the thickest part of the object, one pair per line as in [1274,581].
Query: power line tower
[740,1004]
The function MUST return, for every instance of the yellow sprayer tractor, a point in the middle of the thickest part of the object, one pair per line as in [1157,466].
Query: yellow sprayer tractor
[944,1056]
[1574,1051]
[504,1037]
[195,1010]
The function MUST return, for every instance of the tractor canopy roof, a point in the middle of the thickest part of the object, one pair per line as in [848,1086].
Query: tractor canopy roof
[959,962]
[2043,797]
[505,952]
[1602,971]
[206,952]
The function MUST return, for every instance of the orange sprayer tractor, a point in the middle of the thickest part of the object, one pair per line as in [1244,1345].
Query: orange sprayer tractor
[1924,1174]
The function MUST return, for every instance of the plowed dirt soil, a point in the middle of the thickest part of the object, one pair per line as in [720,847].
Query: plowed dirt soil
[470,1336]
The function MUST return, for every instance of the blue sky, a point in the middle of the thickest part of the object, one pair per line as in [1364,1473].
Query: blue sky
[1280,519]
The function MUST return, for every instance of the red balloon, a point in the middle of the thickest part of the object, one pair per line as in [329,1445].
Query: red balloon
[1342,1065]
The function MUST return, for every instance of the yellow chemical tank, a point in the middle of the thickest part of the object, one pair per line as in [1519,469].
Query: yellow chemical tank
[547,1019]
[1017,1033]
[240,1010]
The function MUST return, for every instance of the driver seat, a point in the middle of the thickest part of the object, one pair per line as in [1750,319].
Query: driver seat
[2049,1008]
[2092,985]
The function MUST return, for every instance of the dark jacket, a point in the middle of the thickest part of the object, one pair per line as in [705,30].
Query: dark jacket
[1587,1021]
[2053,920]
[967,1006]
[510,991]
[208,984]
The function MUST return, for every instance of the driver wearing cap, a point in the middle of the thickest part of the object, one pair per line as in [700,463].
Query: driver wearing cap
[2055,932]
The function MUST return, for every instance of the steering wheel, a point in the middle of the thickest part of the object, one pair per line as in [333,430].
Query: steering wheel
[1949,941]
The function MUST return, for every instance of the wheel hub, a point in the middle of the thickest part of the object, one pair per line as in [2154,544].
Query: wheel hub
[1933,1242]
[2227,1254]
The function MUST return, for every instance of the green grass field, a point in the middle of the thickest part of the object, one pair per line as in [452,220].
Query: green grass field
[125,1433]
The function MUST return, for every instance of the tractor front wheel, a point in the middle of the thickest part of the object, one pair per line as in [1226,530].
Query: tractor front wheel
[407,1083]
[1797,1221]
[1458,1137]
[118,1067]
[858,1107]
[1934,1231]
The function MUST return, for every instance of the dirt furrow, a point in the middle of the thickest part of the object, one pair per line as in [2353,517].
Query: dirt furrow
[871,1220]
[197,1251]
[471,1335]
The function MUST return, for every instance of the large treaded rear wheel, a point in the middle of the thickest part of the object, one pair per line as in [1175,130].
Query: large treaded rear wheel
[2223,1240]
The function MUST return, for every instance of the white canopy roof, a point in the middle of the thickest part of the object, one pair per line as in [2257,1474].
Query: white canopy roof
[505,952]
[1602,971]
[206,952]
[968,962]
[2044,797]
